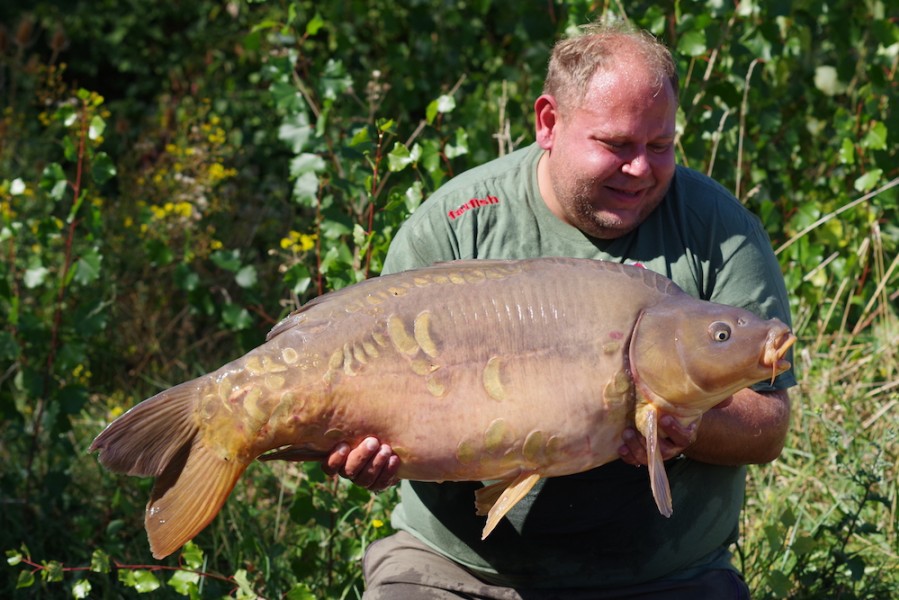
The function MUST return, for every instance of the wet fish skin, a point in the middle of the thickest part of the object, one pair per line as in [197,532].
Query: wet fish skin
[472,370]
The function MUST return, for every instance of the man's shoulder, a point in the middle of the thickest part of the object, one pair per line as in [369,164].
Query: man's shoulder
[489,184]
[704,198]
[499,172]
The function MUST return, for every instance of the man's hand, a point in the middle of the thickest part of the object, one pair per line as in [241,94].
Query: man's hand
[748,428]
[674,440]
[371,464]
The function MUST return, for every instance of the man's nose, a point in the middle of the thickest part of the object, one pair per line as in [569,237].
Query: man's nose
[637,164]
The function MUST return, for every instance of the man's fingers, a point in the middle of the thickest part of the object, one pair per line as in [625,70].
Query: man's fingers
[335,461]
[358,459]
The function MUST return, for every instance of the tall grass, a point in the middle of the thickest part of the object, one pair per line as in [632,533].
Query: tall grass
[820,522]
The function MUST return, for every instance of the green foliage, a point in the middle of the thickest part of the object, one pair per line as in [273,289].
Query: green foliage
[175,177]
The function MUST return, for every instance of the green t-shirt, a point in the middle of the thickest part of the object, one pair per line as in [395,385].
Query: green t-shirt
[600,528]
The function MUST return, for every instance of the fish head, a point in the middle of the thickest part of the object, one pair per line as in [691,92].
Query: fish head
[688,355]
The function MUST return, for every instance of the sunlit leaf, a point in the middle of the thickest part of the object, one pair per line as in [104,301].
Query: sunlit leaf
[868,181]
[314,24]
[81,589]
[13,557]
[97,127]
[35,276]
[184,582]
[246,277]
[99,561]
[87,268]
[102,168]
[876,138]
[692,43]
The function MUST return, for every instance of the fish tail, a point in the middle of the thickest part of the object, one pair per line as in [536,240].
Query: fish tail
[159,438]
[144,440]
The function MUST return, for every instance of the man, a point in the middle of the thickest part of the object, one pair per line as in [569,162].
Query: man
[600,182]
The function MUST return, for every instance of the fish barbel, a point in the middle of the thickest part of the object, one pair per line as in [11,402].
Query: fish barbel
[470,370]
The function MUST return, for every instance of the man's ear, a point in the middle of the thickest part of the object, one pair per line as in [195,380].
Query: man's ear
[546,111]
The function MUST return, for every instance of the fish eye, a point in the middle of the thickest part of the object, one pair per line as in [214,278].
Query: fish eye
[719,331]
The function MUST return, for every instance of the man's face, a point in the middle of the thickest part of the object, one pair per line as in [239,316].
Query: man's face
[611,159]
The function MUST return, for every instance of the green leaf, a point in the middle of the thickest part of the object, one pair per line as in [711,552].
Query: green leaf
[81,589]
[72,399]
[298,278]
[300,591]
[145,581]
[87,268]
[413,196]
[236,317]
[35,276]
[244,588]
[401,157]
[246,277]
[228,260]
[52,571]
[99,561]
[102,168]
[779,583]
[360,137]
[460,146]
[296,131]
[803,544]
[306,163]
[17,187]
[192,555]
[305,189]
[847,152]
[25,579]
[876,138]
[692,43]
[868,181]
[828,81]
[314,25]
[443,104]
[53,181]
[97,127]
[159,253]
[184,582]
[13,557]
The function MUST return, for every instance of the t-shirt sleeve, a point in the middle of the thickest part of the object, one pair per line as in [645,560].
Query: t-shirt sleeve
[750,277]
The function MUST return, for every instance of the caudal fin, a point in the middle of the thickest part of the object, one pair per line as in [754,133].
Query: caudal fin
[144,440]
[158,438]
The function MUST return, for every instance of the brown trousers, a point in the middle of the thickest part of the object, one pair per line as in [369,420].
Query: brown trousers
[400,567]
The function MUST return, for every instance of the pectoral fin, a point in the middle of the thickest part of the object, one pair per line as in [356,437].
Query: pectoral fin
[497,499]
[658,478]
[295,453]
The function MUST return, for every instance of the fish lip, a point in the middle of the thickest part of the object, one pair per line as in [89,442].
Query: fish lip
[776,347]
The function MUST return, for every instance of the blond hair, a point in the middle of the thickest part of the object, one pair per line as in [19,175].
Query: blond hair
[576,59]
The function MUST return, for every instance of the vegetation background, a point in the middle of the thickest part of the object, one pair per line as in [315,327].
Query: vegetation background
[176,176]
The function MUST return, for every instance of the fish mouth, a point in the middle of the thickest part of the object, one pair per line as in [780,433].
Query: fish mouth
[776,347]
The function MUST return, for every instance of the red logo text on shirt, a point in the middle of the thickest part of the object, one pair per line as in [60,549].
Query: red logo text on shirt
[473,203]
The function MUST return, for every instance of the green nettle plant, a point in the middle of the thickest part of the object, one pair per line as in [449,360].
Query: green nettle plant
[175,179]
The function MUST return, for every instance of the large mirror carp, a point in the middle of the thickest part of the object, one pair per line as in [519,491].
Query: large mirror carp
[503,371]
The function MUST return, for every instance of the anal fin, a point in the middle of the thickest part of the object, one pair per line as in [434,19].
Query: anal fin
[658,478]
[497,499]
[187,495]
